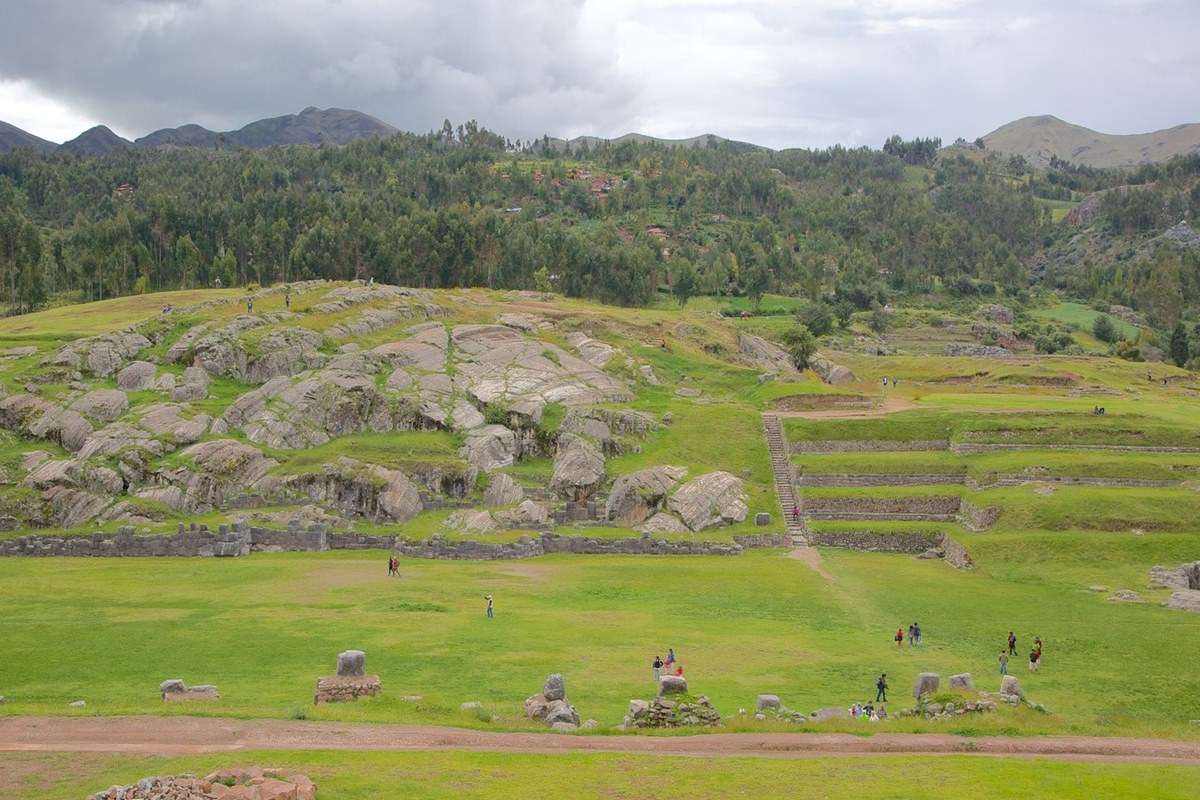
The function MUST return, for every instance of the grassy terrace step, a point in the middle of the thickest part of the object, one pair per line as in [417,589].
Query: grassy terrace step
[1030,463]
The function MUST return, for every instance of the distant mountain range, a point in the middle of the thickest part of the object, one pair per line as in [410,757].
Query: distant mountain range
[1039,138]
[1035,138]
[310,126]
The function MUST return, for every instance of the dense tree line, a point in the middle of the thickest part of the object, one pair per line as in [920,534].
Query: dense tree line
[455,208]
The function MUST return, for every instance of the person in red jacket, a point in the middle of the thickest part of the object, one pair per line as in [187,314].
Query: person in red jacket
[899,637]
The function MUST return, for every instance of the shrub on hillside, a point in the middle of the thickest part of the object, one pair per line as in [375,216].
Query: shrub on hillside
[1104,329]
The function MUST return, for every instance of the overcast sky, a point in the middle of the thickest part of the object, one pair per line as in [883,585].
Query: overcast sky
[776,73]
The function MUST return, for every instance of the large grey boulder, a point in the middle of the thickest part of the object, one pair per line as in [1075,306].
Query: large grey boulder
[765,355]
[1010,687]
[351,663]
[283,352]
[963,680]
[637,496]
[102,405]
[662,522]
[503,490]
[555,687]
[137,376]
[527,514]
[578,468]
[829,372]
[102,355]
[1184,600]
[560,712]
[359,489]
[596,353]
[219,470]
[490,447]
[471,521]
[765,701]
[717,498]
[927,684]
[1185,576]
[194,386]
[34,416]
[672,684]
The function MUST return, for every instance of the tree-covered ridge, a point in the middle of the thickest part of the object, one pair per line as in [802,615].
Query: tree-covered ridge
[612,222]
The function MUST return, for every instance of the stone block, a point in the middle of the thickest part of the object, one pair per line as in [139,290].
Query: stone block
[351,663]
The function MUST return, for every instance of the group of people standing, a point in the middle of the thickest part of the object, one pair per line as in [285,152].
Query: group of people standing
[669,667]
[914,635]
[393,567]
[1035,653]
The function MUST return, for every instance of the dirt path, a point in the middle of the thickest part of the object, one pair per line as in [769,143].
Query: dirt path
[812,557]
[188,735]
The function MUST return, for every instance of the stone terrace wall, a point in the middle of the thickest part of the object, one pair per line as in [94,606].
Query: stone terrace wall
[836,480]
[939,506]
[868,446]
[241,539]
[873,541]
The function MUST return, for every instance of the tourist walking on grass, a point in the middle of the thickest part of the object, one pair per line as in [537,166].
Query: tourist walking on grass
[1012,643]
[670,658]
[488,598]
[899,637]
[1003,663]
[916,634]
[658,665]
[881,687]
[1034,658]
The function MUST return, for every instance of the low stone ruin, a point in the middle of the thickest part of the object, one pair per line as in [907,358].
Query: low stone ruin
[351,681]
[769,706]
[931,710]
[1185,580]
[672,708]
[247,783]
[551,706]
[175,690]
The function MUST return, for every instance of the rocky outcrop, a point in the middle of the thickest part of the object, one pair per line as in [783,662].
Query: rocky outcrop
[526,514]
[829,372]
[282,352]
[36,417]
[638,496]
[102,405]
[100,355]
[578,468]
[765,355]
[218,471]
[359,489]
[193,387]
[1185,576]
[1184,600]
[490,447]
[594,352]
[716,498]
[662,522]
[137,376]
[667,713]
[503,490]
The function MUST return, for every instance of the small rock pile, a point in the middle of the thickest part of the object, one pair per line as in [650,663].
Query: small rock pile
[769,706]
[551,706]
[350,683]
[930,710]
[679,712]
[250,783]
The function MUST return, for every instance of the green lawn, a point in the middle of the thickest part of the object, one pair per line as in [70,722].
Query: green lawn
[1083,316]
[508,776]
[264,627]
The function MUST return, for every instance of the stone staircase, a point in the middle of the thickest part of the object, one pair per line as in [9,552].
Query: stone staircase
[785,487]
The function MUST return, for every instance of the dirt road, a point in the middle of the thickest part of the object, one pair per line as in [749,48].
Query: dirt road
[186,735]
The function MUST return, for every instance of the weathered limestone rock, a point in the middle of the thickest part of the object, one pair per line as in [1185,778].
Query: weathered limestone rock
[829,372]
[41,419]
[927,683]
[672,684]
[351,663]
[555,687]
[465,416]
[1185,576]
[137,376]
[503,490]
[662,522]
[637,496]
[194,386]
[648,375]
[594,352]
[1010,687]
[220,470]
[765,355]
[360,489]
[527,514]
[490,447]
[101,355]
[175,690]
[1184,600]
[716,498]
[963,680]
[765,701]
[102,405]
[578,468]
[282,352]
[471,521]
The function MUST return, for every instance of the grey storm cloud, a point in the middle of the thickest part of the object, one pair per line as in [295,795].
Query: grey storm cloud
[778,73]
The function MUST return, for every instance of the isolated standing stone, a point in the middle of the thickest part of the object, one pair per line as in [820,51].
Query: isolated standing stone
[351,663]
[1009,685]
[927,683]
[672,684]
[555,687]
[962,681]
[765,701]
